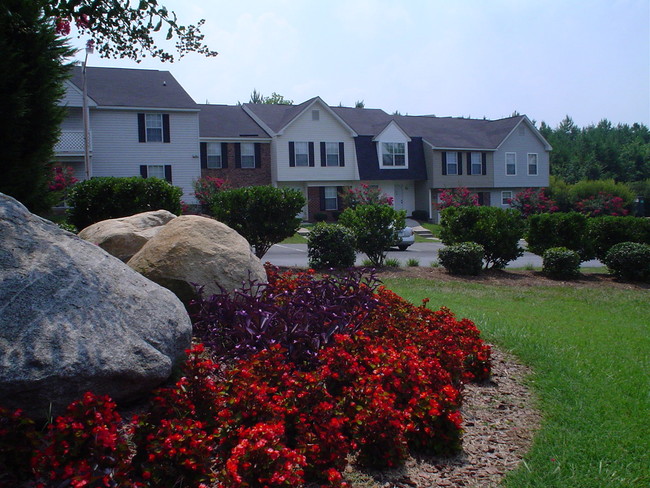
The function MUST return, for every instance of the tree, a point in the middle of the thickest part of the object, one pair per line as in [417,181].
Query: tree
[274,99]
[264,215]
[359,104]
[125,31]
[31,84]
[376,228]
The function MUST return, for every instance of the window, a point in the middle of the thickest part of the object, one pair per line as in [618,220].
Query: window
[156,171]
[248,155]
[452,163]
[331,154]
[214,155]
[330,198]
[393,154]
[301,153]
[154,127]
[532,164]
[511,164]
[477,164]
[506,196]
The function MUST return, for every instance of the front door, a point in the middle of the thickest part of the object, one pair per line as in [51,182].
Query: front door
[398,204]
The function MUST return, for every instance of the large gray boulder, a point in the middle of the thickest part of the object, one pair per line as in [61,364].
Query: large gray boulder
[125,236]
[74,319]
[198,250]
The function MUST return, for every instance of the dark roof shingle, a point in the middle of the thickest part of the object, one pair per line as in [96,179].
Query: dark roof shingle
[227,121]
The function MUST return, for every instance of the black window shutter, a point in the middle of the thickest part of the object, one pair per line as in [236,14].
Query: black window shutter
[469,163]
[292,155]
[204,155]
[323,155]
[444,163]
[166,137]
[168,172]
[311,154]
[224,154]
[142,133]
[258,155]
[341,154]
[460,163]
[238,155]
[143,170]
[484,163]
[322,197]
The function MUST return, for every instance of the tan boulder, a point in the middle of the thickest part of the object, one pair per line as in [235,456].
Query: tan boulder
[197,250]
[125,236]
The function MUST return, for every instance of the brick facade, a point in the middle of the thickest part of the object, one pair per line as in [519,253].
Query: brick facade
[240,177]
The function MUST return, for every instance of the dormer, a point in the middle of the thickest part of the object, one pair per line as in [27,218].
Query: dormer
[392,147]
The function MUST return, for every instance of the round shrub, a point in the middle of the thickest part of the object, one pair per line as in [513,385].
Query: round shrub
[465,258]
[629,261]
[330,246]
[561,262]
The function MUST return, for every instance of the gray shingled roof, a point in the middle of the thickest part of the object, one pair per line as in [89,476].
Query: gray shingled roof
[227,121]
[119,87]
[277,116]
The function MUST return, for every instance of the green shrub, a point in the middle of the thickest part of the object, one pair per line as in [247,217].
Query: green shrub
[104,198]
[561,262]
[465,258]
[320,216]
[605,232]
[420,215]
[375,228]
[569,230]
[264,215]
[392,263]
[591,188]
[412,263]
[629,261]
[330,246]
[496,229]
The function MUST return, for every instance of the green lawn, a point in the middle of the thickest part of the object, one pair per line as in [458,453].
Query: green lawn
[590,352]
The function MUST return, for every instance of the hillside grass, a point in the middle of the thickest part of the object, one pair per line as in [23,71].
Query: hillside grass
[589,349]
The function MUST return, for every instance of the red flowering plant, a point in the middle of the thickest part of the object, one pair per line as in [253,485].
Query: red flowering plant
[456,197]
[18,441]
[205,188]
[365,195]
[61,180]
[602,204]
[531,201]
[84,447]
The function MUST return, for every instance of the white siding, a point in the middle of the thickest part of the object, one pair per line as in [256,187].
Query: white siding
[392,134]
[408,193]
[304,129]
[117,152]
[521,145]
[73,119]
[73,96]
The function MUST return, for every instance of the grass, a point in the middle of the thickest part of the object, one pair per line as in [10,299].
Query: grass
[590,352]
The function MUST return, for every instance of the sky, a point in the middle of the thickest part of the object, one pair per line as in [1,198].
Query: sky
[589,59]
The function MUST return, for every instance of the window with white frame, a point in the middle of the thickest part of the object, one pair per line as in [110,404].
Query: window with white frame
[511,164]
[248,155]
[156,171]
[332,154]
[452,163]
[154,127]
[214,155]
[393,154]
[477,163]
[301,152]
[506,197]
[331,198]
[532,164]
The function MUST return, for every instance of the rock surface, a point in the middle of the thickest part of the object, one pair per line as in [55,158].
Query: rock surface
[197,250]
[75,319]
[125,236]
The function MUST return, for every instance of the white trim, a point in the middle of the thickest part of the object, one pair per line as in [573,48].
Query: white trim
[380,151]
[506,164]
[388,125]
[471,163]
[447,173]
[241,154]
[533,129]
[149,109]
[441,148]
[259,121]
[536,164]
[79,91]
[510,197]
[207,155]
[234,139]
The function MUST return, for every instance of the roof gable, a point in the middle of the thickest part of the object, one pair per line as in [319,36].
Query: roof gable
[392,126]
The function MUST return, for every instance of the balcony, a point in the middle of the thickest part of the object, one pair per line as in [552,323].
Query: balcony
[71,143]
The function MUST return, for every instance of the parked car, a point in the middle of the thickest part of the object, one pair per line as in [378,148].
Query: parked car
[406,238]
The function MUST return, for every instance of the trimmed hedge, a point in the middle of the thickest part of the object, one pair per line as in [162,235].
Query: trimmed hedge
[330,246]
[605,232]
[629,261]
[561,263]
[104,198]
[553,230]
[465,258]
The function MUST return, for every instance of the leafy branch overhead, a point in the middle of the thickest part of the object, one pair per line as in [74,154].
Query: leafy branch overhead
[121,30]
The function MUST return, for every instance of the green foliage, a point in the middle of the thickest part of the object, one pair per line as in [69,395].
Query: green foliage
[375,227]
[412,263]
[330,246]
[465,258]
[497,230]
[560,192]
[420,215]
[392,263]
[264,215]
[109,198]
[591,188]
[561,263]
[320,216]
[629,261]
[274,99]
[31,85]
[642,189]
[568,230]
[604,232]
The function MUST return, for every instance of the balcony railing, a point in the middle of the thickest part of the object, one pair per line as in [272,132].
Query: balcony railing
[71,143]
